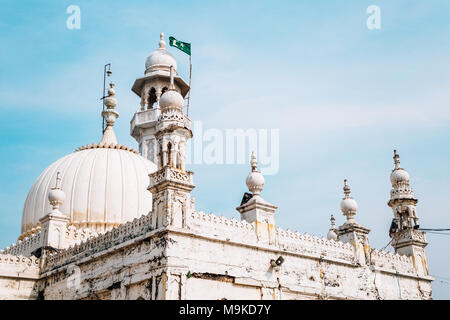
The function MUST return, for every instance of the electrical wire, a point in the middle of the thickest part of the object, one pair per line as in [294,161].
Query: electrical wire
[440,233]
[386,245]
[444,278]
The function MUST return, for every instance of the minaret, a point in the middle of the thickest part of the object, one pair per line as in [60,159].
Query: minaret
[351,231]
[256,209]
[171,184]
[150,88]
[406,239]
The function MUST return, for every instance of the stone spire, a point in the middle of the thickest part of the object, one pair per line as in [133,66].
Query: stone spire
[56,196]
[348,204]
[110,115]
[332,235]
[351,231]
[256,209]
[407,239]
[255,180]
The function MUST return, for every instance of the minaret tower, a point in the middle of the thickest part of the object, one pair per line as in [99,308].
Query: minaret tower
[407,239]
[171,184]
[150,88]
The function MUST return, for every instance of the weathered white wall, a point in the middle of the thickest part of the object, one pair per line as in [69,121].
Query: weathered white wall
[18,277]
[214,258]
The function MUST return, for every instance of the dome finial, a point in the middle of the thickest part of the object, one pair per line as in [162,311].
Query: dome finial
[254,162]
[255,180]
[332,235]
[58,180]
[346,189]
[332,220]
[110,115]
[56,196]
[162,43]
[348,204]
[396,159]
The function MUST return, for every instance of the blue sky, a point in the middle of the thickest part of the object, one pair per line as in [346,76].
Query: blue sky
[342,96]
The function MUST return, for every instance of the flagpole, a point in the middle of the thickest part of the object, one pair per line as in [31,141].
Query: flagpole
[190,76]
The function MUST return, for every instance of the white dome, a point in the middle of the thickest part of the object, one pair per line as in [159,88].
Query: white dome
[103,187]
[160,58]
[349,204]
[399,175]
[171,98]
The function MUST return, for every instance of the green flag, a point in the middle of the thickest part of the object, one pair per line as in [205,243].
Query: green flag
[183,46]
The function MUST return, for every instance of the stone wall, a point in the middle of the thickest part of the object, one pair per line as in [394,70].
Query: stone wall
[215,257]
[18,277]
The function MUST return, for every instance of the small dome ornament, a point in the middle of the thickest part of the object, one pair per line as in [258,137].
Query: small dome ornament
[160,59]
[255,180]
[56,196]
[332,235]
[171,98]
[399,176]
[348,204]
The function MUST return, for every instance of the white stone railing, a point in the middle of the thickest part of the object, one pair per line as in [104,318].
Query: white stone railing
[101,242]
[311,245]
[25,246]
[210,224]
[28,245]
[392,261]
[19,266]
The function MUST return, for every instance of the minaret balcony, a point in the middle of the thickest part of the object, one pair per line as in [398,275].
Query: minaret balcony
[144,119]
[168,175]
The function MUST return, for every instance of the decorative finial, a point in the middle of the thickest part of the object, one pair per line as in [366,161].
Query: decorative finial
[162,43]
[58,181]
[56,196]
[254,162]
[255,180]
[332,235]
[346,189]
[396,160]
[110,115]
[348,204]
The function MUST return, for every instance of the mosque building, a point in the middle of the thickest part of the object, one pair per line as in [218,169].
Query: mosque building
[110,222]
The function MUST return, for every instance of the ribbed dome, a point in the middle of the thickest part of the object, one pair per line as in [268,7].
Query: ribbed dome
[104,187]
[160,59]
